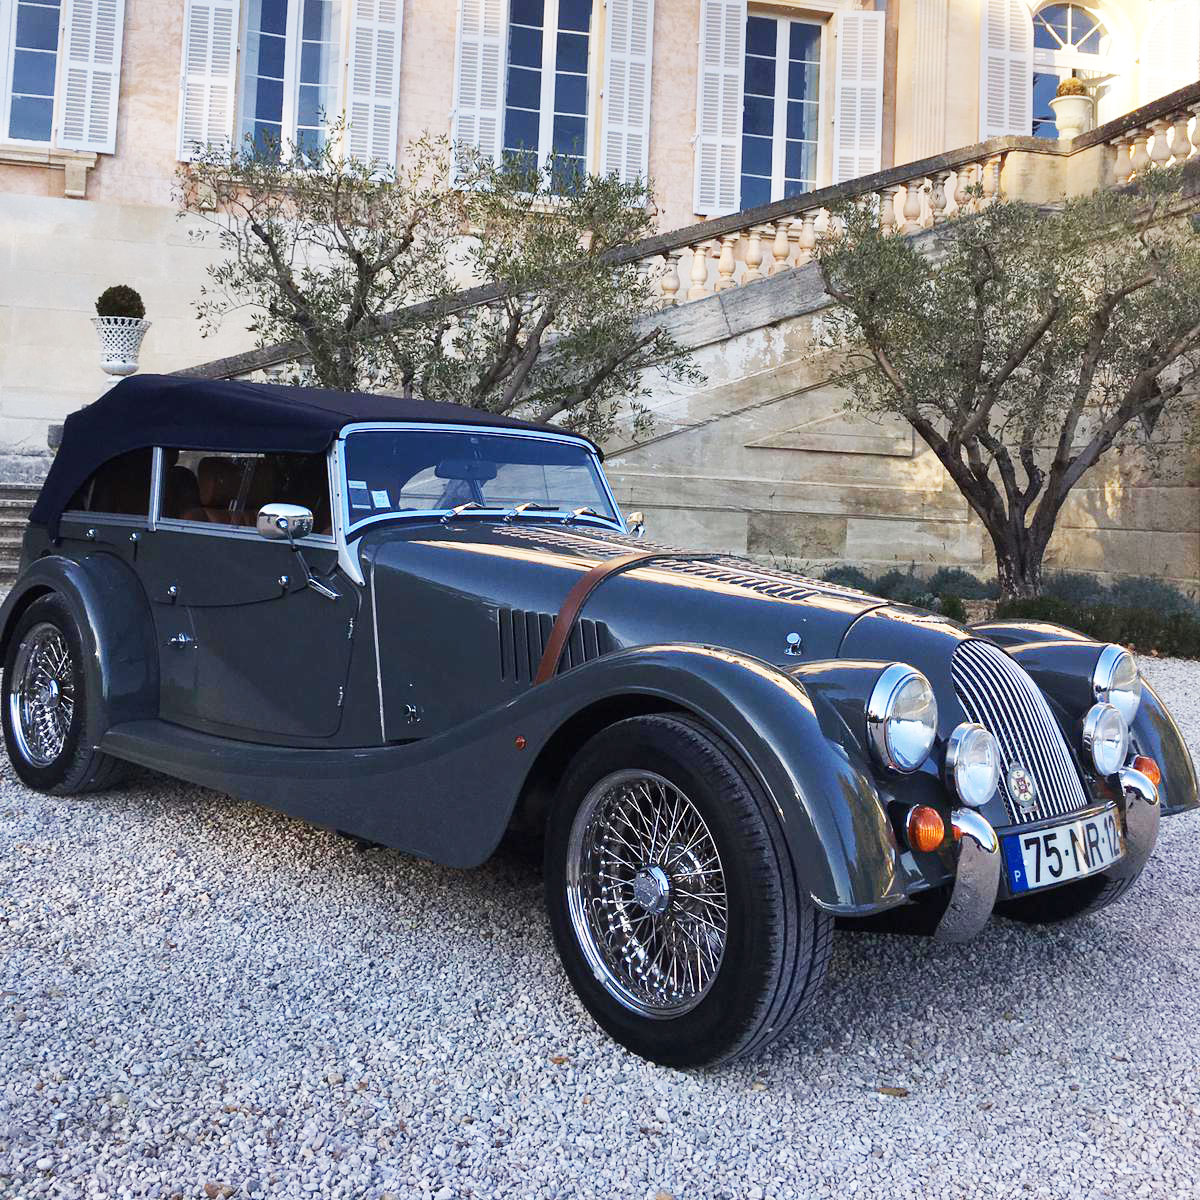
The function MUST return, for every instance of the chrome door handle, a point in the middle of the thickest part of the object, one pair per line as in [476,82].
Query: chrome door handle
[181,640]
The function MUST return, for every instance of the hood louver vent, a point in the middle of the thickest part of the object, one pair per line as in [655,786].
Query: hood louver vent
[523,637]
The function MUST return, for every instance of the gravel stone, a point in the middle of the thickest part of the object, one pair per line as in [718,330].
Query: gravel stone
[202,998]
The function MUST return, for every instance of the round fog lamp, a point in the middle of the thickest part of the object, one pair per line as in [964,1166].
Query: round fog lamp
[973,764]
[1106,738]
[902,717]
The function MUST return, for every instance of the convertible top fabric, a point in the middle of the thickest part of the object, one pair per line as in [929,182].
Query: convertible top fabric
[203,414]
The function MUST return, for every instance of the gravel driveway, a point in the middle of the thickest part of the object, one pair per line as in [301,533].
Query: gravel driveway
[199,997]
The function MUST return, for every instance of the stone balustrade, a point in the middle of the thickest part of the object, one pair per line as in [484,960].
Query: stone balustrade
[743,248]
[756,248]
[1172,138]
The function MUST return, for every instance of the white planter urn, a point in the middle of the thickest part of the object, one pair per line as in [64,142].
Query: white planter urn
[1073,115]
[120,343]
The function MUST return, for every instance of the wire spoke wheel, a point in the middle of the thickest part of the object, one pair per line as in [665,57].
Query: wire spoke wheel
[42,696]
[646,893]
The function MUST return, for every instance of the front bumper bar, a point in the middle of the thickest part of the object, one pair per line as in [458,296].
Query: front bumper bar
[977,879]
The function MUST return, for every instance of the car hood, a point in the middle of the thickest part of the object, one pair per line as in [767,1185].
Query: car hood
[523,571]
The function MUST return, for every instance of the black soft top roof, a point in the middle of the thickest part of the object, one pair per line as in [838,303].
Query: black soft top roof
[204,414]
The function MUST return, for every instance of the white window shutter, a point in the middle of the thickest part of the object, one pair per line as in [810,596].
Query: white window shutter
[625,141]
[480,73]
[90,75]
[207,78]
[719,106]
[1006,69]
[374,80]
[858,95]
[1170,56]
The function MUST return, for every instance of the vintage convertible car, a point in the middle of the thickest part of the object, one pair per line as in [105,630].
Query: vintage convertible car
[422,625]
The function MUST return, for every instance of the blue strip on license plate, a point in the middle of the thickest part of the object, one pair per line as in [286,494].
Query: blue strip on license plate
[1042,857]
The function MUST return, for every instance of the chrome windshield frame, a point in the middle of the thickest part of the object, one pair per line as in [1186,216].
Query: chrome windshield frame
[346,534]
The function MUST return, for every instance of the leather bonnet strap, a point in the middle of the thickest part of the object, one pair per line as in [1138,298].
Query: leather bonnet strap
[585,585]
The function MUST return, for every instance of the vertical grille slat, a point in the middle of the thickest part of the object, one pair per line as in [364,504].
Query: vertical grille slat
[997,693]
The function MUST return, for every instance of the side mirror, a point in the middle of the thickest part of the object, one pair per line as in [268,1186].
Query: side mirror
[280,521]
[637,524]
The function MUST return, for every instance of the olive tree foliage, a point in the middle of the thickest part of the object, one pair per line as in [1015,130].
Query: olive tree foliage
[1022,344]
[362,268]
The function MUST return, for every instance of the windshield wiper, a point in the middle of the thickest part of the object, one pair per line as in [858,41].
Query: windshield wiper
[461,510]
[582,511]
[530,506]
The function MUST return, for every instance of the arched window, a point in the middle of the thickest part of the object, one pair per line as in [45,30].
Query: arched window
[1068,40]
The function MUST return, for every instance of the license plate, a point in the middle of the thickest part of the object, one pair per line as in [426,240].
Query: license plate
[1041,857]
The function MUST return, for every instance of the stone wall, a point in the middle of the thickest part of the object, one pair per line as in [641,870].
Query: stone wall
[765,460]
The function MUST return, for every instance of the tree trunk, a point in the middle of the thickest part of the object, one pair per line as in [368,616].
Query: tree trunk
[1018,564]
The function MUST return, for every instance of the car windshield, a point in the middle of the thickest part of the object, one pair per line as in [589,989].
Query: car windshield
[397,472]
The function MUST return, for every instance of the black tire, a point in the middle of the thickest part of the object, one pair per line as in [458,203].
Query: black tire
[1065,903]
[78,766]
[777,945]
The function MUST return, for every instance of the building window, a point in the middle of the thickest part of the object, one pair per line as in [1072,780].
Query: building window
[780,109]
[33,67]
[290,73]
[546,87]
[1068,40]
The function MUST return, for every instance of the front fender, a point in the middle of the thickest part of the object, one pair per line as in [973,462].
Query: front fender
[115,626]
[792,739]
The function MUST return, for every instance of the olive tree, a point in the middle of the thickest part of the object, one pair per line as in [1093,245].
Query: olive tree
[447,275]
[1022,343]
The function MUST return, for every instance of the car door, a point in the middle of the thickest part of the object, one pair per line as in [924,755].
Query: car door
[267,655]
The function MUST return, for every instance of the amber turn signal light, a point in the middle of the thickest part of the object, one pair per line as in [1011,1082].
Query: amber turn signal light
[1149,768]
[924,828]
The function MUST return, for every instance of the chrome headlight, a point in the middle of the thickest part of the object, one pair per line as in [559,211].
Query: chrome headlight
[1117,681]
[902,717]
[1106,738]
[973,764]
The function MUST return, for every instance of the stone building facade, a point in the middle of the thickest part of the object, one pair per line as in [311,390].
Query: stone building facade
[726,104]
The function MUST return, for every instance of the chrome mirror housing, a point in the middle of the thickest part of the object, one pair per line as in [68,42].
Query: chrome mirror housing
[637,524]
[280,521]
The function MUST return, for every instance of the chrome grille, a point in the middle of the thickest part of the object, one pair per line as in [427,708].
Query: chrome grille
[997,693]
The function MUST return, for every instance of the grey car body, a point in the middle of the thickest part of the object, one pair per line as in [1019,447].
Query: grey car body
[400,704]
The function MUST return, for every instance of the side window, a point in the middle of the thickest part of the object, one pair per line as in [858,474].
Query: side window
[121,486]
[229,489]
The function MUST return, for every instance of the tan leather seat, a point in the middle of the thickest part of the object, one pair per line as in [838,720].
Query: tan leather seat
[218,480]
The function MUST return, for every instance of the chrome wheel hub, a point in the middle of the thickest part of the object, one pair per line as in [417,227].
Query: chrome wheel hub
[646,893]
[42,695]
[652,890]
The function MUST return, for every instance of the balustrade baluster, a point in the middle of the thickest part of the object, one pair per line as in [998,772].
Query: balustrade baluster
[700,253]
[754,255]
[991,181]
[1196,130]
[963,178]
[808,237]
[726,264]
[1160,154]
[670,282]
[939,196]
[1181,147]
[912,206]
[779,249]
[1139,159]
[887,208]
[1121,164]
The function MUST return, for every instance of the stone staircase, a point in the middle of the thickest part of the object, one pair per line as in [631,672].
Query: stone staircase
[16,499]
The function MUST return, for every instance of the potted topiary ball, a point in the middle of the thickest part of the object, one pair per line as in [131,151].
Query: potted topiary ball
[121,323]
[1074,108]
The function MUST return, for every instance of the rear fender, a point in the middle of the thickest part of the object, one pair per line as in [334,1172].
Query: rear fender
[115,626]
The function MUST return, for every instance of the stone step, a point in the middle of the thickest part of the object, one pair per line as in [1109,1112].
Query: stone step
[9,506]
[27,492]
[10,536]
